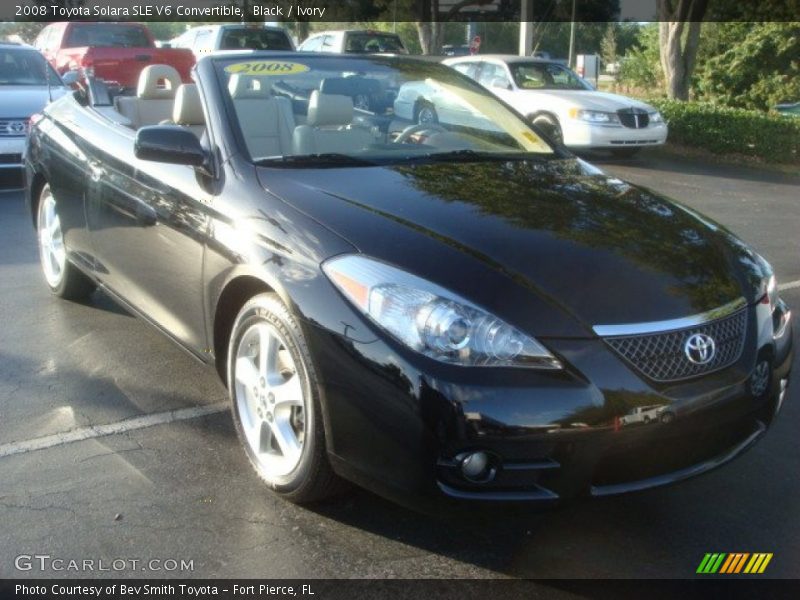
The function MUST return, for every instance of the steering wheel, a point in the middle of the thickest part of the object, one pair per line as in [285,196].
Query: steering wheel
[412,129]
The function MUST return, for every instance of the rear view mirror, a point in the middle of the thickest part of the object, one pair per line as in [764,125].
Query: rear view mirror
[70,78]
[169,144]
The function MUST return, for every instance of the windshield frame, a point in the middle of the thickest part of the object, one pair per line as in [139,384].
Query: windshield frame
[219,62]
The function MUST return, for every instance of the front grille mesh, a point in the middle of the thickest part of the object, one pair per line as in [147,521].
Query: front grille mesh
[10,159]
[661,356]
[635,118]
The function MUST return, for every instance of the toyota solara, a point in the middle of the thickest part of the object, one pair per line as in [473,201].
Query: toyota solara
[441,312]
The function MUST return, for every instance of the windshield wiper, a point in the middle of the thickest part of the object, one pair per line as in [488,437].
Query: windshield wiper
[471,155]
[326,159]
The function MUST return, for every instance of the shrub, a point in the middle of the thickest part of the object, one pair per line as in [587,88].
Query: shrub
[723,130]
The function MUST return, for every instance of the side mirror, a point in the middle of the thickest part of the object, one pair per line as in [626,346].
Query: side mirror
[169,144]
[70,78]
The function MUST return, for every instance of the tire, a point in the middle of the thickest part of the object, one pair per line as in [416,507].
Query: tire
[275,402]
[667,417]
[63,278]
[550,126]
[625,152]
[647,420]
[425,113]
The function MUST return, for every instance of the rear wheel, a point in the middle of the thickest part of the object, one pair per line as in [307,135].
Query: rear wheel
[62,277]
[550,126]
[275,402]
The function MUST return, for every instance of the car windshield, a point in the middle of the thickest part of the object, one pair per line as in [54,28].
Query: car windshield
[25,67]
[254,39]
[546,76]
[308,109]
[105,35]
[374,42]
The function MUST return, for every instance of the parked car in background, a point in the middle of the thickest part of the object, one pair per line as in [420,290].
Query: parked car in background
[456,50]
[113,52]
[27,84]
[212,38]
[789,109]
[450,312]
[566,107]
[354,41]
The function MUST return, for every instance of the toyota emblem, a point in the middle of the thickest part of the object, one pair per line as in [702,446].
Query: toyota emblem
[700,348]
[16,127]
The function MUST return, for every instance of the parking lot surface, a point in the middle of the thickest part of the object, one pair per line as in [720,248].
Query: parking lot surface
[182,489]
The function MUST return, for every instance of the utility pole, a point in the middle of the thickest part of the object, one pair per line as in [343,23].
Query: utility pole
[526,28]
[572,37]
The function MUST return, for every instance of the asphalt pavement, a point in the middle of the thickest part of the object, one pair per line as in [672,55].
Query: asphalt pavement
[181,489]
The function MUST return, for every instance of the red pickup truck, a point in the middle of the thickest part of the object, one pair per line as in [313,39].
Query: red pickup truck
[113,52]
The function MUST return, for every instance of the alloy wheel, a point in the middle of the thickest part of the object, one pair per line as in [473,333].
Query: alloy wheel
[52,253]
[271,400]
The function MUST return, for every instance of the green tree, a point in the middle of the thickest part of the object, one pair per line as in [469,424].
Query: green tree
[641,67]
[750,65]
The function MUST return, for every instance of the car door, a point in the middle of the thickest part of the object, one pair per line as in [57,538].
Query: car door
[148,224]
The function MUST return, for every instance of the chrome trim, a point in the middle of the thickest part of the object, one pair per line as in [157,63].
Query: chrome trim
[670,324]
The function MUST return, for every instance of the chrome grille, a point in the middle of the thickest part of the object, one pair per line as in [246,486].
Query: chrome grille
[14,127]
[635,118]
[661,356]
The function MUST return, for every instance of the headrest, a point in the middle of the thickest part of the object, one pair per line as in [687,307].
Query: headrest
[150,78]
[349,86]
[188,109]
[247,86]
[329,109]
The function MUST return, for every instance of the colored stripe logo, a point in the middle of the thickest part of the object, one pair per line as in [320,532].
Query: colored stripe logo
[733,563]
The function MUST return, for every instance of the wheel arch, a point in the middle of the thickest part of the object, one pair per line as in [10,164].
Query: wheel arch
[235,293]
[35,191]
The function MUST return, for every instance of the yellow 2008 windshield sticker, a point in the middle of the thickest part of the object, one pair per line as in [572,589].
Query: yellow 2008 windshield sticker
[266,67]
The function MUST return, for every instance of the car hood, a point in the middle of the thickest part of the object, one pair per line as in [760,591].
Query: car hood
[588,99]
[601,250]
[21,101]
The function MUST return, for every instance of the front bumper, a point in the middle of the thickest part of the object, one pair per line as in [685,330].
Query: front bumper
[398,424]
[12,151]
[579,134]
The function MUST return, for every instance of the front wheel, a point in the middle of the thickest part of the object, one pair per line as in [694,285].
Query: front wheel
[426,114]
[62,277]
[275,402]
[550,126]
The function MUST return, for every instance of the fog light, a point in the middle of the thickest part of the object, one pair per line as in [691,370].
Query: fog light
[477,467]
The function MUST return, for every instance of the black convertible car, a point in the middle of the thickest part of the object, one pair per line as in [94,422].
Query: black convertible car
[437,311]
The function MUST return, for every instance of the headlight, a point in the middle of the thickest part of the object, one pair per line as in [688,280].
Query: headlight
[655,117]
[769,285]
[594,116]
[432,320]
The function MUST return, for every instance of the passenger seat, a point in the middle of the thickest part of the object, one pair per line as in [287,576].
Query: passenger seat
[329,127]
[188,109]
[267,121]
[155,96]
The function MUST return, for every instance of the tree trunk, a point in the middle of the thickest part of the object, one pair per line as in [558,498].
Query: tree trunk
[430,31]
[679,37]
